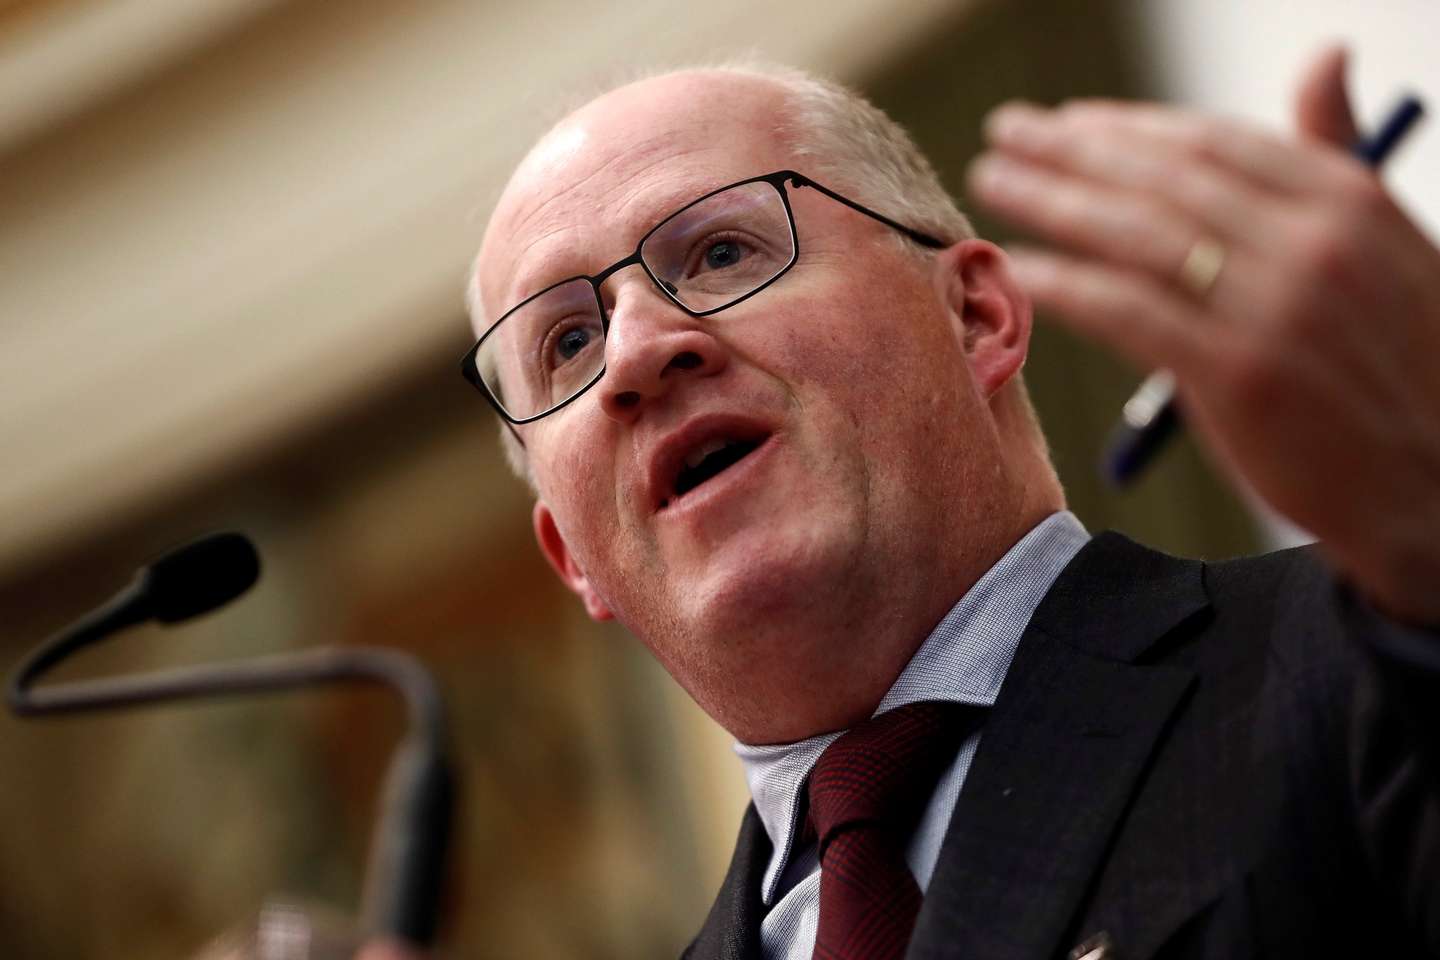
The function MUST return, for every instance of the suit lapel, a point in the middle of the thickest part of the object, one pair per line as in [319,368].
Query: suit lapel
[732,930]
[1070,734]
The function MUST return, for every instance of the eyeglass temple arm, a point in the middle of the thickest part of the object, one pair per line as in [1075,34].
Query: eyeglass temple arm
[924,239]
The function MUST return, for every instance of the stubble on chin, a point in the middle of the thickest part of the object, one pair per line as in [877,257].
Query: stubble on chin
[759,645]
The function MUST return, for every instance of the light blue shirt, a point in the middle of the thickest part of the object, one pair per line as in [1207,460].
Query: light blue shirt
[963,660]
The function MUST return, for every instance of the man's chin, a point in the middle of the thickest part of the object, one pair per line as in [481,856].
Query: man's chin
[780,573]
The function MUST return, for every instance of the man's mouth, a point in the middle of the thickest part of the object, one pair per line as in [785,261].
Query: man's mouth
[707,460]
[710,460]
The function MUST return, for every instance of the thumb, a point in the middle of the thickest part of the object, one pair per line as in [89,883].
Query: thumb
[1322,107]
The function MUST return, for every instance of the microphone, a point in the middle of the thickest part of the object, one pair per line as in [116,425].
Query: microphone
[189,580]
[199,577]
[405,872]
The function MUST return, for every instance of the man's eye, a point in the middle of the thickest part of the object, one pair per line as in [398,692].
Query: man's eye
[726,253]
[572,342]
[569,343]
[717,253]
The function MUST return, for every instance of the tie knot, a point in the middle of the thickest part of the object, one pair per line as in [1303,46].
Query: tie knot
[881,772]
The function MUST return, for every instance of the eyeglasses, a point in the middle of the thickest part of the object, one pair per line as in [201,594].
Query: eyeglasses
[707,256]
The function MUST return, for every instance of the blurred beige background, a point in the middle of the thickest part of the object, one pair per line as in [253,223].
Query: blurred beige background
[233,236]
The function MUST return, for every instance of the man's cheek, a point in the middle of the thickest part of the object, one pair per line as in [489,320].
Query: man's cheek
[817,358]
[567,477]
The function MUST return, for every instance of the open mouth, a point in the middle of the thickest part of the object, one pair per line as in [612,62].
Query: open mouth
[709,460]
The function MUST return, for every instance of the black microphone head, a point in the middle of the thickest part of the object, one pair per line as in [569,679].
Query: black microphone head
[200,576]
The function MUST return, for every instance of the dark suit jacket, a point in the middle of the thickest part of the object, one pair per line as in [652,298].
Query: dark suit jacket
[1200,760]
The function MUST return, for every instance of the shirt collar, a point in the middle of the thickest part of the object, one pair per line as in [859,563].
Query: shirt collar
[964,660]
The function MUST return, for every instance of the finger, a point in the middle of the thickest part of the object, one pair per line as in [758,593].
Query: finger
[1322,105]
[1267,162]
[1222,204]
[1082,215]
[1142,320]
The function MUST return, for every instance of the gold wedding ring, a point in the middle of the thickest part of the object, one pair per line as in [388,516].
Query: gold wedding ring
[1202,266]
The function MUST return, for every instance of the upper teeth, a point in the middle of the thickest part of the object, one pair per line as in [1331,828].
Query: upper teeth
[703,451]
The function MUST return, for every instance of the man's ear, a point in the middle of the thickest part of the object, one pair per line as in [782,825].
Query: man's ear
[973,280]
[553,545]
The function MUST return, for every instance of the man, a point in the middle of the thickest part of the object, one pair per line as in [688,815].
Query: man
[766,386]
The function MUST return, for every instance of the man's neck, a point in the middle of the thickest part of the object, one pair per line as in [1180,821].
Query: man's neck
[829,693]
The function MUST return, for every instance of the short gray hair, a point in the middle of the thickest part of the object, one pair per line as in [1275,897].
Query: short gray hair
[849,144]
[854,146]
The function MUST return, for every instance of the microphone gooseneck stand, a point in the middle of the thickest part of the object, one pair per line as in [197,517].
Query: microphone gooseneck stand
[407,859]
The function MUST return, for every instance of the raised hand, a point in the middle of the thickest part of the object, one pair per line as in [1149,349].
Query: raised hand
[1297,305]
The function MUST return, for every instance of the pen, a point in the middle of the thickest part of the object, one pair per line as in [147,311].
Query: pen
[1150,417]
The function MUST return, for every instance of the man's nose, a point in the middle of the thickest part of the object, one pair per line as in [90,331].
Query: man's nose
[651,348]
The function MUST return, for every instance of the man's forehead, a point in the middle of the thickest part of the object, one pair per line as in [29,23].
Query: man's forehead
[626,155]
[637,123]
[588,170]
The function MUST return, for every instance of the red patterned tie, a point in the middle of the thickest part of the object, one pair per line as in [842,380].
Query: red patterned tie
[866,793]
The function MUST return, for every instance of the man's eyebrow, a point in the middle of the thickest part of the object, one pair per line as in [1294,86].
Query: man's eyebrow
[541,271]
[663,202]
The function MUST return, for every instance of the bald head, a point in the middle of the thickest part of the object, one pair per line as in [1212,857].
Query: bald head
[623,134]
[832,132]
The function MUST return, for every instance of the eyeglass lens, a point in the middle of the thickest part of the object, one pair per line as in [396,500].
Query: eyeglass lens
[707,256]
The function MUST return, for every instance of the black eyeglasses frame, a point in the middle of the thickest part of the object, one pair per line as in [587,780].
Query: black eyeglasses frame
[777,180]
